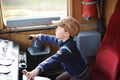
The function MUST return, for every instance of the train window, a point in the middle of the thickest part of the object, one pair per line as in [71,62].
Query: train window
[32,12]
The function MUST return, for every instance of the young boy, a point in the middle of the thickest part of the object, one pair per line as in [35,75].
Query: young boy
[74,64]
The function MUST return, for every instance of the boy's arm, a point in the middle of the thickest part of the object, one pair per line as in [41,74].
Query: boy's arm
[48,38]
[60,56]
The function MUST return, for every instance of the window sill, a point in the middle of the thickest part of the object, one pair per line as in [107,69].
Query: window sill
[30,28]
[25,29]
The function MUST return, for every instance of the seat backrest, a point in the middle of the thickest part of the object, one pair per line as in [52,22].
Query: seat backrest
[107,59]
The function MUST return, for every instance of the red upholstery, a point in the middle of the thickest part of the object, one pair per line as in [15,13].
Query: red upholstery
[107,59]
[107,65]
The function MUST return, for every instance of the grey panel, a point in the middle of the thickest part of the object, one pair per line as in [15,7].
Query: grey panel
[23,22]
[88,42]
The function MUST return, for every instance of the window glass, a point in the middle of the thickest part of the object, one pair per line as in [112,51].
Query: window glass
[33,8]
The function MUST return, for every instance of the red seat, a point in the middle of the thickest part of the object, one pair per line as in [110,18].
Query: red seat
[107,65]
[107,59]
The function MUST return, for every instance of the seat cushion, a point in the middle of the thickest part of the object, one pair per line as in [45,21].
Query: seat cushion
[107,64]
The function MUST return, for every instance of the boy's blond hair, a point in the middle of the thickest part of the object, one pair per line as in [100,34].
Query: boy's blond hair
[71,25]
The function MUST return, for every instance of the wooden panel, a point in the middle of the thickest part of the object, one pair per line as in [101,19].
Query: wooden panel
[22,39]
[1,17]
[109,6]
[77,14]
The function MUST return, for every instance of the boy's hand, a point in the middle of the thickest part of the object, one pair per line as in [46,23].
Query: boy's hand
[31,75]
[24,72]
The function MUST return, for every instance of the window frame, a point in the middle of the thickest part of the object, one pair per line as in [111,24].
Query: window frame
[69,13]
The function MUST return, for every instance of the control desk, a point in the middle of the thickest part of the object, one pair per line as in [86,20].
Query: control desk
[9,52]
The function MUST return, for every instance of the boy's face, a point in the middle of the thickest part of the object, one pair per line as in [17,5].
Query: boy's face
[61,33]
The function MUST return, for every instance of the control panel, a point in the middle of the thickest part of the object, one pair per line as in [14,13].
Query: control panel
[9,51]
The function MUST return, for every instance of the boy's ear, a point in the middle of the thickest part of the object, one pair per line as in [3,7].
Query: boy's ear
[67,34]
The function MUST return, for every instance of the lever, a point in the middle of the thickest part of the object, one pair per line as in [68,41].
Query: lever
[30,37]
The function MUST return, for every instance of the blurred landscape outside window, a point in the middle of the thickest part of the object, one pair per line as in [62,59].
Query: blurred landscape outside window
[33,8]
